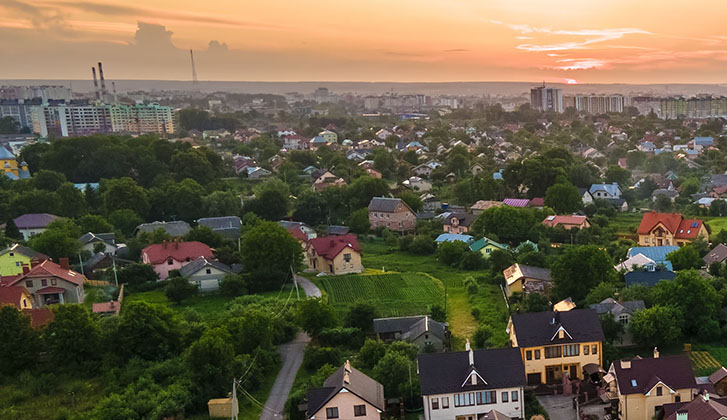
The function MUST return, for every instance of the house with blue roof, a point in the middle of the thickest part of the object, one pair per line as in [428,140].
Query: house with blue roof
[701,142]
[655,253]
[605,191]
[454,237]
[650,275]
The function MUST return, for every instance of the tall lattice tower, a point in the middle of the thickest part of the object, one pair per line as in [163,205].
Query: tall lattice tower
[194,70]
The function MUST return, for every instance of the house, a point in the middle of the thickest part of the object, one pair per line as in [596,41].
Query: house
[557,344]
[50,283]
[618,203]
[430,202]
[339,254]
[567,222]
[174,229]
[90,241]
[333,230]
[227,226]
[453,237]
[457,222]
[15,257]
[476,169]
[95,267]
[10,166]
[329,136]
[471,384]
[482,205]
[643,385]
[347,394]
[716,255]
[256,172]
[586,196]
[621,312]
[299,230]
[638,261]
[327,179]
[417,184]
[650,275]
[205,273]
[703,407]
[32,224]
[516,202]
[656,253]
[657,229]
[719,380]
[670,194]
[17,296]
[603,191]
[423,331]
[527,279]
[485,246]
[391,213]
[169,256]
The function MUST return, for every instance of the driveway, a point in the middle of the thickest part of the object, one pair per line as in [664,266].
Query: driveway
[292,355]
[559,407]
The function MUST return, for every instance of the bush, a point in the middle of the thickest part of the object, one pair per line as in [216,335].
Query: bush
[371,352]
[361,316]
[482,336]
[178,289]
[451,253]
[233,285]
[437,313]
[315,357]
[472,261]
[422,245]
[342,337]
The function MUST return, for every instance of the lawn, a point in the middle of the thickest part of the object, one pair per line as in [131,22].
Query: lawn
[393,294]
[48,396]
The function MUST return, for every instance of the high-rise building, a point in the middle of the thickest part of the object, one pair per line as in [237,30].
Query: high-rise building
[546,99]
[699,107]
[599,104]
[142,118]
[21,110]
[45,93]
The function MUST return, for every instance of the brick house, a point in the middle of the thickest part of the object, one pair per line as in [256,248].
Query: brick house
[50,283]
[391,213]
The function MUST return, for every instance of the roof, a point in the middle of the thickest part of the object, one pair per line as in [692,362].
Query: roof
[516,202]
[702,407]
[656,253]
[452,237]
[180,251]
[648,278]
[330,246]
[218,223]
[528,271]
[537,202]
[425,325]
[573,220]
[611,189]
[717,255]
[107,307]
[201,263]
[49,268]
[484,242]
[442,373]
[675,223]
[463,218]
[34,220]
[493,415]
[11,295]
[358,383]
[540,328]
[485,204]
[610,305]
[108,238]
[409,326]
[39,317]
[673,371]
[5,154]
[175,228]
[638,260]
[386,205]
[337,230]
[717,376]
[24,250]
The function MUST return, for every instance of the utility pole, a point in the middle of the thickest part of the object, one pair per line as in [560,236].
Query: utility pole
[234,409]
[116,277]
[295,282]
[80,262]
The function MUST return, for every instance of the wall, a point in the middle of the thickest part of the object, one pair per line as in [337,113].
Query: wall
[28,233]
[538,365]
[340,266]
[345,401]
[9,266]
[207,282]
[164,268]
[401,220]
[72,293]
[514,410]
[641,407]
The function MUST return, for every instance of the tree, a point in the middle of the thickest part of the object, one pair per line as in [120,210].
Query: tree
[179,288]
[8,125]
[148,331]
[358,221]
[73,327]
[656,325]
[371,352]
[221,203]
[12,231]
[250,327]
[271,201]
[211,361]
[412,200]
[125,220]
[509,224]
[94,223]
[268,253]
[392,371]
[482,336]
[693,295]
[563,198]
[500,260]
[193,164]
[612,329]
[314,315]
[125,193]
[135,274]
[422,245]
[233,285]
[579,269]
[600,292]
[363,189]
[663,203]
[685,258]
[60,239]
[206,235]
[451,253]
[48,180]
[361,315]
[617,174]
[18,341]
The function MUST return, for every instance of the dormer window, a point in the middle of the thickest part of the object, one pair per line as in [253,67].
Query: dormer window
[170,262]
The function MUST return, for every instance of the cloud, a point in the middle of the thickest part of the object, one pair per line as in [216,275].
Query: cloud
[457,50]
[42,18]
[217,47]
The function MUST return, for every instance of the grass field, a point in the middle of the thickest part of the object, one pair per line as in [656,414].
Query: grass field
[703,362]
[49,396]
[393,294]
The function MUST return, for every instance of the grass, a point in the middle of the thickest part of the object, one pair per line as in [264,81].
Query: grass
[210,306]
[393,294]
[48,397]
[718,354]
[703,362]
[97,294]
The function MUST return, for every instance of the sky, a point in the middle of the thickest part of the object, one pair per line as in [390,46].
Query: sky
[566,41]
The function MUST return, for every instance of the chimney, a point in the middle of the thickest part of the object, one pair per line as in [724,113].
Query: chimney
[471,355]
[26,269]
[625,364]
[63,262]
[100,76]
[706,396]
[95,81]
[656,352]
[347,366]
[347,372]
[467,346]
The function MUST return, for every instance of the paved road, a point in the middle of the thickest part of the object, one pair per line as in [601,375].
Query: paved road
[292,355]
[558,406]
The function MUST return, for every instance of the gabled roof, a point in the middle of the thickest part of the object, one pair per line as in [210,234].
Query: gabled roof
[516,202]
[717,376]
[329,247]
[656,253]
[638,260]
[180,251]
[453,237]
[34,220]
[573,220]
[702,407]
[352,380]
[648,278]
[609,305]
[673,371]
[224,222]
[443,373]
[50,269]
[410,327]
[528,271]
[484,242]
[175,228]
[11,295]
[24,250]
[675,223]
[107,238]
[610,189]
[540,328]
[386,205]
[200,263]
[717,255]
[463,218]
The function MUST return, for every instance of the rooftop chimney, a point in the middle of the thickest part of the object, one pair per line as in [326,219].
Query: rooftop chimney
[682,416]
[625,364]
[471,354]
[706,396]
[467,346]
[26,269]
[347,366]
[656,352]
[63,262]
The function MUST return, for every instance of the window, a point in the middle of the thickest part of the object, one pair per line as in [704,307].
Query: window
[528,355]
[170,262]
[487,250]
[515,396]
[504,396]
[44,282]
[464,399]
[646,240]
[208,271]
[359,410]
[12,254]
[332,412]
[435,403]
[659,391]
[486,397]
[623,319]
[552,352]
[586,350]
[347,257]
[53,282]
[594,349]
[445,402]
[29,284]
[25,303]
[571,350]
[18,263]
[677,398]
[537,354]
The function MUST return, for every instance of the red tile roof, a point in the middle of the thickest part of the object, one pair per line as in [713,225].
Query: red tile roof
[537,202]
[11,295]
[49,268]
[180,251]
[39,317]
[574,220]
[330,246]
[297,233]
[675,223]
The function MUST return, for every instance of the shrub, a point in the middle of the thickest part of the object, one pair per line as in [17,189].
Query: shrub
[315,357]
[178,289]
[233,285]
[482,336]
[342,337]
[422,245]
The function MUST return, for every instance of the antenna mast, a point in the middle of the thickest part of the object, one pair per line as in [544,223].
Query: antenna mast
[194,70]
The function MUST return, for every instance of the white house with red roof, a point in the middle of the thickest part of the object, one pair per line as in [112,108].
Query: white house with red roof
[340,254]
[661,229]
[50,283]
[169,256]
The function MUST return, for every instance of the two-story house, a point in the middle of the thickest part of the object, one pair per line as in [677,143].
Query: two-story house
[337,254]
[659,229]
[169,256]
[206,274]
[643,386]
[469,384]
[347,394]
[50,283]
[391,213]
[553,344]
[605,191]
[457,222]
[15,257]
[33,224]
[527,279]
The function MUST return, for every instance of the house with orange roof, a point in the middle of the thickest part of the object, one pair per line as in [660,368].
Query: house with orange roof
[567,222]
[661,229]
[50,283]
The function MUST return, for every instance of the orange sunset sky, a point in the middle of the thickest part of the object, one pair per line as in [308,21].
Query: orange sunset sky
[588,41]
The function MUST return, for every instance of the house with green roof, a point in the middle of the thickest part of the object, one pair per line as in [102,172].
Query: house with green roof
[485,246]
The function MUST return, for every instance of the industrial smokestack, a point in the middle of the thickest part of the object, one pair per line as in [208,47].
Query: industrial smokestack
[100,75]
[95,81]
[113,86]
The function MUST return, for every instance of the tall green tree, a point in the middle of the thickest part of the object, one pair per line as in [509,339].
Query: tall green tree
[268,254]
[563,198]
[73,327]
[580,269]
[19,343]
